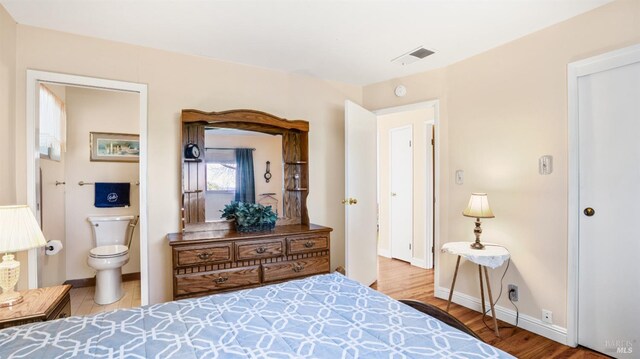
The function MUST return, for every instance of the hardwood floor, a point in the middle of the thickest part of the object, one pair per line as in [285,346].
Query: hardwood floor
[400,280]
[82,299]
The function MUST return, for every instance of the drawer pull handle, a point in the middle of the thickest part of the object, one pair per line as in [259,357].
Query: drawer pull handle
[298,268]
[261,250]
[221,280]
[204,255]
[309,244]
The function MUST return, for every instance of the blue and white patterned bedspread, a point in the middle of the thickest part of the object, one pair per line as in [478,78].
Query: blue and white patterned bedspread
[325,316]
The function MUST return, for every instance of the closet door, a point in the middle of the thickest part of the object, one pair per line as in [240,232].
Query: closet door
[609,237]
[401,178]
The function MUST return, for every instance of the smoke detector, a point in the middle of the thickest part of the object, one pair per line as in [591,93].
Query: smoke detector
[413,56]
[400,91]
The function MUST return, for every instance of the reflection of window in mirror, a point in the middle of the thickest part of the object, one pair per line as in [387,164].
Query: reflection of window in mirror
[220,157]
[221,171]
[221,181]
[221,177]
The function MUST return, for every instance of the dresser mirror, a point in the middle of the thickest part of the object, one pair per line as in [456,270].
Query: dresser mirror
[224,140]
[229,152]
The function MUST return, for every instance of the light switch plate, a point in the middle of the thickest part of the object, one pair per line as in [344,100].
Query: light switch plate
[545,165]
[459,177]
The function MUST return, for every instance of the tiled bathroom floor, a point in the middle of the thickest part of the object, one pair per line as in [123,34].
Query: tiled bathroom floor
[82,299]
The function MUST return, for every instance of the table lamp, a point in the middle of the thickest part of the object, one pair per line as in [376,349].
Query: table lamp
[479,208]
[19,231]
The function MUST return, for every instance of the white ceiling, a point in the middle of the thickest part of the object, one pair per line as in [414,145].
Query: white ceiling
[350,41]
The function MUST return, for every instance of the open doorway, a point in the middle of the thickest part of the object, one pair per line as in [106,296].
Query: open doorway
[365,199]
[406,183]
[76,176]
[73,172]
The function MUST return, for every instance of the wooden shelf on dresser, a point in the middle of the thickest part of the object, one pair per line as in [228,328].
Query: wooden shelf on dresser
[216,261]
[38,305]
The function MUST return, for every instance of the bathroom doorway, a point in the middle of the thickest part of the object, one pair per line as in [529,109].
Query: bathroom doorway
[64,176]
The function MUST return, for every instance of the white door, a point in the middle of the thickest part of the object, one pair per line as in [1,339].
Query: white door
[401,211]
[429,219]
[361,232]
[52,269]
[609,243]
[37,254]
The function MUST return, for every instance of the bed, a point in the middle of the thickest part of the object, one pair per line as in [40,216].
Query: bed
[324,316]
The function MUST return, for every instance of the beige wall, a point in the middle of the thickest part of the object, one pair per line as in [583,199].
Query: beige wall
[7,107]
[501,110]
[179,81]
[416,119]
[52,269]
[90,110]
[268,148]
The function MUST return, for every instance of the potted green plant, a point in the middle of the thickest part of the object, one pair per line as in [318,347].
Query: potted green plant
[250,217]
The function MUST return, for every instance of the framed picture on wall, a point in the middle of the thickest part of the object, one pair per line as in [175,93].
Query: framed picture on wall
[114,147]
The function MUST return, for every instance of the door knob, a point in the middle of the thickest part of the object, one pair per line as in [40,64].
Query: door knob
[393,194]
[344,201]
[589,211]
[353,201]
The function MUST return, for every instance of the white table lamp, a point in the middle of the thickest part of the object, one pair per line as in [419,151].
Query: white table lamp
[19,231]
[479,208]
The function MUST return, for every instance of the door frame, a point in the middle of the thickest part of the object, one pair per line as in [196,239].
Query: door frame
[575,70]
[34,78]
[391,130]
[435,186]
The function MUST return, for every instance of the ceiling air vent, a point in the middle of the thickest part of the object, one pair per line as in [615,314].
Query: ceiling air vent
[412,56]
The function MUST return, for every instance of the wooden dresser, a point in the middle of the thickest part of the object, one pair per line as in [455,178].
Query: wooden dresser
[215,261]
[38,305]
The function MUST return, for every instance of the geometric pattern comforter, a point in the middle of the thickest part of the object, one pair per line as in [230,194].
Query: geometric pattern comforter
[324,316]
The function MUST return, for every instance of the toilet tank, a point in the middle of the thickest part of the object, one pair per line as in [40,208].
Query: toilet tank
[108,230]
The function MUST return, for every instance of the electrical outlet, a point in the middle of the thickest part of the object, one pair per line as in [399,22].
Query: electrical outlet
[513,292]
[547,316]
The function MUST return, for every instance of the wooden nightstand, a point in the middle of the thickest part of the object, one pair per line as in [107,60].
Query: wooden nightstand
[39,305]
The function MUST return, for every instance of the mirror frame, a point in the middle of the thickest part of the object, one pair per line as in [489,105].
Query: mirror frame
[295,155]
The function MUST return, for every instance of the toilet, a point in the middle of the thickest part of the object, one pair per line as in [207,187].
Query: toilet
[112,236]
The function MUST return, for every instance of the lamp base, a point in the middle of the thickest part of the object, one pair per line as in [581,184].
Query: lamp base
[9,299]
[9,274]
[477,232]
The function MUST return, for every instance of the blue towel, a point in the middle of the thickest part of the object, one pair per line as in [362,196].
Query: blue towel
[111,194]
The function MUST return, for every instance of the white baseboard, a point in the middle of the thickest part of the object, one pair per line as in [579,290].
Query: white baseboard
[384,252]
[535,325]
[419,262]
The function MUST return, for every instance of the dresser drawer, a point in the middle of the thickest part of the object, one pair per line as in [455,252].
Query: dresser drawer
[187,284]
[292,269]
[202,254]
[306,244]
[259,249]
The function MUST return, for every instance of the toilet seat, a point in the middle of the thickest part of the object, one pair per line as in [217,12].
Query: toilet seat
[110,251]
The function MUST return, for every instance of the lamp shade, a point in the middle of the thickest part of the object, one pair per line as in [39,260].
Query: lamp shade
[478,206]
[19,230]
